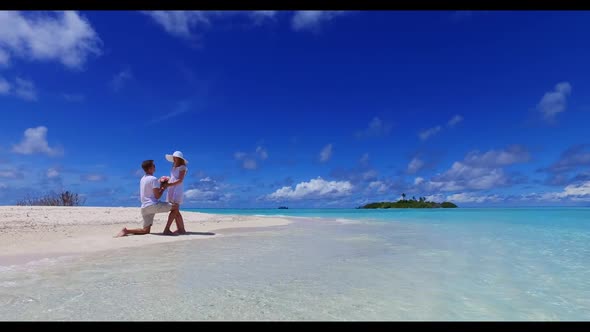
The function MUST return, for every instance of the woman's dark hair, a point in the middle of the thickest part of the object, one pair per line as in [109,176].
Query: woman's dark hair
[147,164]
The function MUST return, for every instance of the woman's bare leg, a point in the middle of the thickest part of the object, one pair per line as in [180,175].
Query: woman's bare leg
[171,218]
[180,223]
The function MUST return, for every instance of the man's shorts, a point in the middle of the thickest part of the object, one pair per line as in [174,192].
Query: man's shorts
[149,212]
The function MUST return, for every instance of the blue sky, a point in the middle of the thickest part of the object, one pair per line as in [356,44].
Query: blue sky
[298,108]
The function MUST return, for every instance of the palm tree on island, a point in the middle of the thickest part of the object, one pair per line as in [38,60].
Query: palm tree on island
[422,203]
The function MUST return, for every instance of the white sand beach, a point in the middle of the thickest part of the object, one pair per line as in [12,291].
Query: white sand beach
[33,233]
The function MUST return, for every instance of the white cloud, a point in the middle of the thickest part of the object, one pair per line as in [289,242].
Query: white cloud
[575,192]
[572,158]
[455,120]
[378,186]
[120,79]
[198,195]
[547,197]
[358,175]
[249,164]
[554,102]
[93,177]
[64,36]
[461,176]
[376,128]
[315,188]
[73,98]
[370,174]
[4,86]
[529,197]
[493,158]
[206,190]
[262,153]
[35,142]
[21,88]
[181,108]
[552,196]
[470,198]
[418,181]
[179,22]
[11,174]
[52,173]
[435,198]
[4,57]
[183,23]
[415,165]
[312,19]
[434,185]
[326,153]
[25,89]
[259,16]
[425,134]
[206,196]
[464,198]
[479,171]
[263,13]
[250,160]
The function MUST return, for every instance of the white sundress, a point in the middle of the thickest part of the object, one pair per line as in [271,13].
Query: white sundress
[175,192]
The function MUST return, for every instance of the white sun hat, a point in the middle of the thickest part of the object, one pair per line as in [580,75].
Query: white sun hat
[178,154]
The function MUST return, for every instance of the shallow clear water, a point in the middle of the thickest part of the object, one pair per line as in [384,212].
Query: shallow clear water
[466,264]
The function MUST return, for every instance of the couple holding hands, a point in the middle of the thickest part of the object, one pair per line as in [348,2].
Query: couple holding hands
[152,188]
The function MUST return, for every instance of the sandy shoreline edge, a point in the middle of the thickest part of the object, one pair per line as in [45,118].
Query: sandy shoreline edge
[33,233]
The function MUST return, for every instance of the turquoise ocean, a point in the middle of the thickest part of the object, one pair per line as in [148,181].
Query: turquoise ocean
[329,264]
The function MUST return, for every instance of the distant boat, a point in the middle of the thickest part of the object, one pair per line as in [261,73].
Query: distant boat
[283,207]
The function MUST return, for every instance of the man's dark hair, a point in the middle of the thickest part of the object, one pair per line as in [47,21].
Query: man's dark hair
[147,164]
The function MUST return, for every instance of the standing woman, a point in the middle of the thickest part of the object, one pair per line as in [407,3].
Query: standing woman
[175,191]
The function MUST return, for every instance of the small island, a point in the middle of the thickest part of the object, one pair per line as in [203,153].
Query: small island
[283,207]
[404,203]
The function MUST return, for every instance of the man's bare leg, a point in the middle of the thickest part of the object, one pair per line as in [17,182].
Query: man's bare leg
[123,232]
[137,231]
